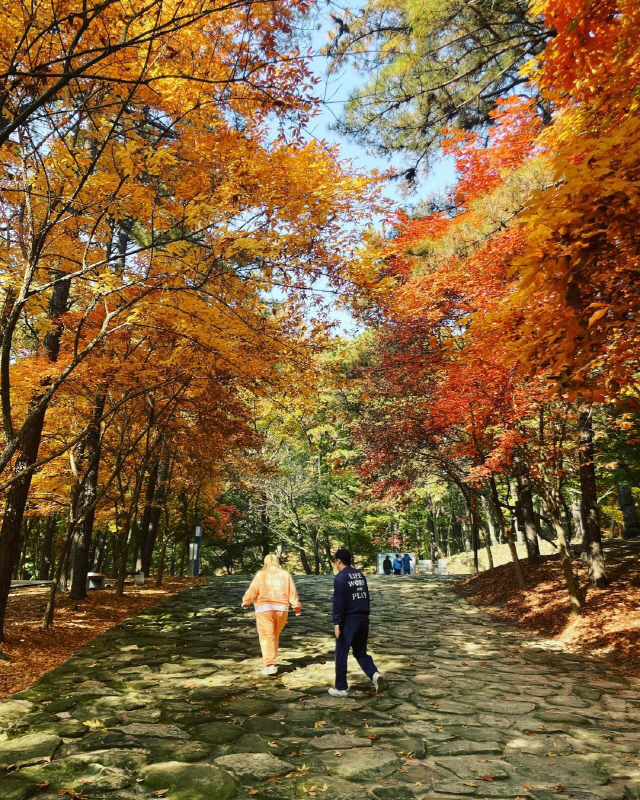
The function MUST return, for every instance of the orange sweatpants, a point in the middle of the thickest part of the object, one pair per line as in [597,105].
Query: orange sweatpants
[270,625]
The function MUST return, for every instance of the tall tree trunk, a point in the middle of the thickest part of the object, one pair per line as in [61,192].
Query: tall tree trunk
[506,532]
[28,455]
[145,525]
[518,521]
[14,512]
[576,517]
[97,560]
[122,565]
[474,529]
[150,534]
[487,545]
[477,526]
[161,560]
[589,501]
[627,505]
[487,512]
[183,558]
[45,573]
[316,554]
[81,542]
[19,572]
[329,554]
[265,532]
[72,522]
[435,543]
[552,503]
[303,555]
[529,521]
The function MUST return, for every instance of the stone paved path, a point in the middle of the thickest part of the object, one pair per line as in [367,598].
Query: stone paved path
[173,700]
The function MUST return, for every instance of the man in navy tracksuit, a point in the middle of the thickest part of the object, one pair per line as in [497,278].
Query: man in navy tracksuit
[351,621]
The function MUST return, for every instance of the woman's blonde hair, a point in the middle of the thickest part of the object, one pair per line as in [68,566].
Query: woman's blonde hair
[271,560]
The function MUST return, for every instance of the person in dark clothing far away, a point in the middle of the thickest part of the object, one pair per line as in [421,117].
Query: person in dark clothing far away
[386,565]
[397,565]
[406,564]
[351,624]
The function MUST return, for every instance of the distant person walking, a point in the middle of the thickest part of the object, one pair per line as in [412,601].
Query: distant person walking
[386,566]
[406,564]
[272,591]
[397,565]
[351,624]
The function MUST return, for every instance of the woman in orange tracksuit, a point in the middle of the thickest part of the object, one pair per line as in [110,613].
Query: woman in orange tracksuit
[272,591]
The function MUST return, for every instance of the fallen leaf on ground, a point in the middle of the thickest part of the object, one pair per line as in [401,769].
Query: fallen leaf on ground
[161,793]
[320,723]
[486,778]
[609,630]
[313,790]
[33,652]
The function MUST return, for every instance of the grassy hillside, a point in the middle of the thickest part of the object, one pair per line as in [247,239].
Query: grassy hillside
[462,563]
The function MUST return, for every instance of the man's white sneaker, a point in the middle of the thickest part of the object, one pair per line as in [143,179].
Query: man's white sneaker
[271,670]
[378,682]
[338,692]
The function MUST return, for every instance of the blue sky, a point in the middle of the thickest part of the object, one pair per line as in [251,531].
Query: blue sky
[335,89]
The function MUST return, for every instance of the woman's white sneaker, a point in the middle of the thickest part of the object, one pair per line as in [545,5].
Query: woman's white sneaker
[378,682]
[271,670]
[338,692]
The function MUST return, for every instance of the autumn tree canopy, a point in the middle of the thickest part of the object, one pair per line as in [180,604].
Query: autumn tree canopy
[165,222]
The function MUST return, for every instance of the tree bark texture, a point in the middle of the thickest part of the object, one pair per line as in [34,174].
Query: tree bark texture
[151,522]
[489,516]
[518,521]
[18,493]
[81,543]
[590,513]
[529,521]
[506,533]
[45,572]
[576,516]
[553,508]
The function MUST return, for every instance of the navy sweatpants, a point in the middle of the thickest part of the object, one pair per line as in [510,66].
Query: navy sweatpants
[354,633]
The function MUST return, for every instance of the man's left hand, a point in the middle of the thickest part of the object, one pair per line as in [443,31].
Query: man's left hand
[337,631]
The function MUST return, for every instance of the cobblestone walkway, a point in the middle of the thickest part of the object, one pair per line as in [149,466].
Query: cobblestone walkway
[171,704]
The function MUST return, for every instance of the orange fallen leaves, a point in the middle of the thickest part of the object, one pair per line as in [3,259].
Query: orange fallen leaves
[33,652]
[610,628]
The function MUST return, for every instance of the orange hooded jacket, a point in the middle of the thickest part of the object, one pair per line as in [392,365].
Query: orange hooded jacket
[272,585]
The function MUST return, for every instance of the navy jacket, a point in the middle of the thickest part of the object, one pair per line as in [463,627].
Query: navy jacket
[350,594]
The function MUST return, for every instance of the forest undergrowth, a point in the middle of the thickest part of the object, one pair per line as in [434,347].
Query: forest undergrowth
[31,651]
[609,626]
